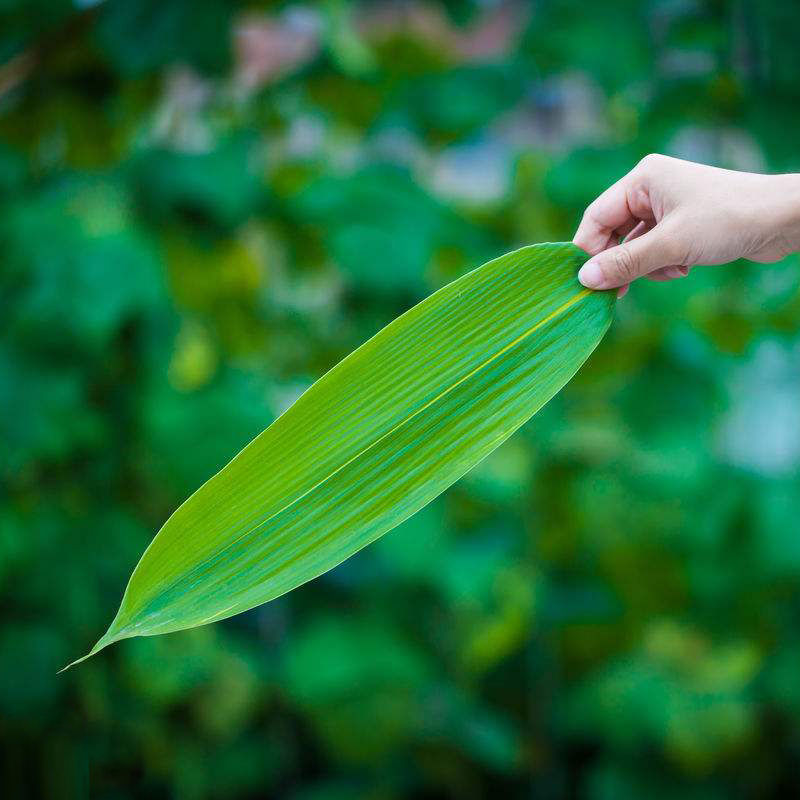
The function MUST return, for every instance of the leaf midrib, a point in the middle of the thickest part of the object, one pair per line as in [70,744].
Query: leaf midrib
[491,359]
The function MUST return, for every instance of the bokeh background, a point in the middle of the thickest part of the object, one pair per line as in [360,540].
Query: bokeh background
[205,205]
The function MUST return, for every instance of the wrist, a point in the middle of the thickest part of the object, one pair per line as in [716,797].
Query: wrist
[784,201]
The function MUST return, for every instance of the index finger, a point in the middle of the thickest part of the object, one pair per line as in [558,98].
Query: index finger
[607,216]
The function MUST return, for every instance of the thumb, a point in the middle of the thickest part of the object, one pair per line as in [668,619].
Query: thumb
[624,263]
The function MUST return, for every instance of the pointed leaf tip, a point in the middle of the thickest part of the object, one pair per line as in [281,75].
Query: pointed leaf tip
[104,641]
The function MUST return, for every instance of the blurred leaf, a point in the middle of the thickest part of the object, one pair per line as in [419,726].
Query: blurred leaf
[380,209]
[142,36]
[585,173]
[360,658]
[565,33]
[189,665]
[75,266]
[458,101]
[222,185]
[417,546]
[191,434]
[32,651]
[13,170]
[370,682]
[348,49]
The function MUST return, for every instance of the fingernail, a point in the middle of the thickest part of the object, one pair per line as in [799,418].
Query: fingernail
[591,276]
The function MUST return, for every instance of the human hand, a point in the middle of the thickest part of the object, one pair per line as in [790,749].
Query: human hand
[675,214]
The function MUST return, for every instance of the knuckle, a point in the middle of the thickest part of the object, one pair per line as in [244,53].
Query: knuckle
[584,221]
[650,161]
[675,251]
[624,264]
[675,241]
[590,212]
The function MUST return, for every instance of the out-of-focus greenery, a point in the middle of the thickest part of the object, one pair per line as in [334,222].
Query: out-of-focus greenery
[192,195]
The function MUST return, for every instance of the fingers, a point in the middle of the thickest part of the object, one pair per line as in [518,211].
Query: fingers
[638,229]
[625,210]
[625,231]
[624,263]
[607,214]
[670,273]
[660,275]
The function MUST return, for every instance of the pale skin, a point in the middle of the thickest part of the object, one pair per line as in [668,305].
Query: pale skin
[667,215]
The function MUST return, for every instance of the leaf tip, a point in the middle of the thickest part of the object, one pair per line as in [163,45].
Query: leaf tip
[104,641]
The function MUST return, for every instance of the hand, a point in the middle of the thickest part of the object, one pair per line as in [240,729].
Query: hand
[675,214]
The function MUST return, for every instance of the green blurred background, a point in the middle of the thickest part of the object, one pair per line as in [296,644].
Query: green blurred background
[205,205]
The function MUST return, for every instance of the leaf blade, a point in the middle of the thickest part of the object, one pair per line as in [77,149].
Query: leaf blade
[372,441]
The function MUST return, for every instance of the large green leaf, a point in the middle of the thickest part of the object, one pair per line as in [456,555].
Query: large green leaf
[384,432]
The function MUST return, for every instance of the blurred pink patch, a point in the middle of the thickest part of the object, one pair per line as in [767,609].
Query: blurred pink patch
[492,35]
[495,33]
[267,48]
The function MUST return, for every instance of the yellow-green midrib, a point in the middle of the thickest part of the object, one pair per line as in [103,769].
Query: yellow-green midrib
[288,457]
[386,485]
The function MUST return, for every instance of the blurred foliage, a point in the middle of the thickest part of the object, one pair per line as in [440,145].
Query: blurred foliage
[608,607]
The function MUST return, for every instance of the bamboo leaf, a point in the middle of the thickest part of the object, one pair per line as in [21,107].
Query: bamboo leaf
[371,442]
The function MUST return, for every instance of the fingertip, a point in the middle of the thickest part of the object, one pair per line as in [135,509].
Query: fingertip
[590,237]
[640,228]
[583,241]
[592,242]
[580,242]
[591,276]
